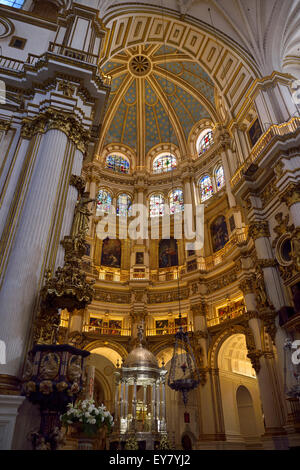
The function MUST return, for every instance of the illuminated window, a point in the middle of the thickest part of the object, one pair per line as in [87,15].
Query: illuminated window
[117,163]
[206,189]
[220,178]
[156,205]
[164,163]
[205,140]
[104,201]
[124,205]
[176,201]
[12,3]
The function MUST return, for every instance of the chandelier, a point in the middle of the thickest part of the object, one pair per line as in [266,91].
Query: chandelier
[184,375]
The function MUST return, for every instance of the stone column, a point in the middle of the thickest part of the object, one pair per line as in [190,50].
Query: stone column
[34,246]
[259,231]
[122,400]
[163,406]
[273,100]
[263,362]
[117,402]
[126,403]
[157,403]
[153,406]
[134,402]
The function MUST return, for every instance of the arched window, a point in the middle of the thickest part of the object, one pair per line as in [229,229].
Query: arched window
[117,163]
[12,3]
[163,163]
[205,140]
[206,189]
[220,178]
[176,201]
[104,201]
[157,205]
[124,205]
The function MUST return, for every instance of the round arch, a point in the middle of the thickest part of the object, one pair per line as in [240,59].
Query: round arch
[214,349]
[118,348]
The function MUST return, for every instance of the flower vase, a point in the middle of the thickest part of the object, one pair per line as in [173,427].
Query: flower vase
[85,442]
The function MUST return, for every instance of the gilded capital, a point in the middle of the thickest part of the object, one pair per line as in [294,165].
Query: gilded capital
[247,286]
[291,195]
[259,229]
[78,182]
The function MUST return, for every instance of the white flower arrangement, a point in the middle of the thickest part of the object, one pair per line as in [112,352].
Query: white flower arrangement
[91,417]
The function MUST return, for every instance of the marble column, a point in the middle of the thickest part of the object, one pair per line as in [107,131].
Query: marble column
[35,240]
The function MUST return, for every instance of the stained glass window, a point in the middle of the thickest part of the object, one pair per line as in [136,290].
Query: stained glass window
[12,3]
[205,140]
[176,201]
[156,205]
[124,205]
[164,163]
[220,178]
[104,201]
[117,163]
[206,189]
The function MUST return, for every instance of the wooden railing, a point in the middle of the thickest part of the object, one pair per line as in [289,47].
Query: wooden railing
[274,130]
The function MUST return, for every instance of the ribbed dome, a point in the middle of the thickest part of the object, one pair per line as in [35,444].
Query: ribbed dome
[139,357]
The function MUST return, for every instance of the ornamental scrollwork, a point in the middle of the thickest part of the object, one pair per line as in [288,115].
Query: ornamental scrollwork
[259,229]
[291,195]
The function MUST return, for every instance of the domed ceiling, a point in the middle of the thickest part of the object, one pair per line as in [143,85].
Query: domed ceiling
[157,96]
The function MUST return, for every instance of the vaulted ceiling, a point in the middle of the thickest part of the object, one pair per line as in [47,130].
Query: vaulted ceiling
[157,96]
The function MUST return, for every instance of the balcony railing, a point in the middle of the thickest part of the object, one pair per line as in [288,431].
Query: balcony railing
[76,54]
[168,330]
[274,130]
[218,319]
[107,331]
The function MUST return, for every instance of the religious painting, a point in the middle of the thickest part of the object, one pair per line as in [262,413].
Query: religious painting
[96,322]
[254,132]
[115,327]
[111,253]
[161,326]
[168,253]
[139,257]
[219,233]
[232,223]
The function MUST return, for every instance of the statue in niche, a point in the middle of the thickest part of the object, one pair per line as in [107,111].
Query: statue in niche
[81,218]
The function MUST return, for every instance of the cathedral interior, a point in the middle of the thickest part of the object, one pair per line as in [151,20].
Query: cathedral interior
[191,110]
